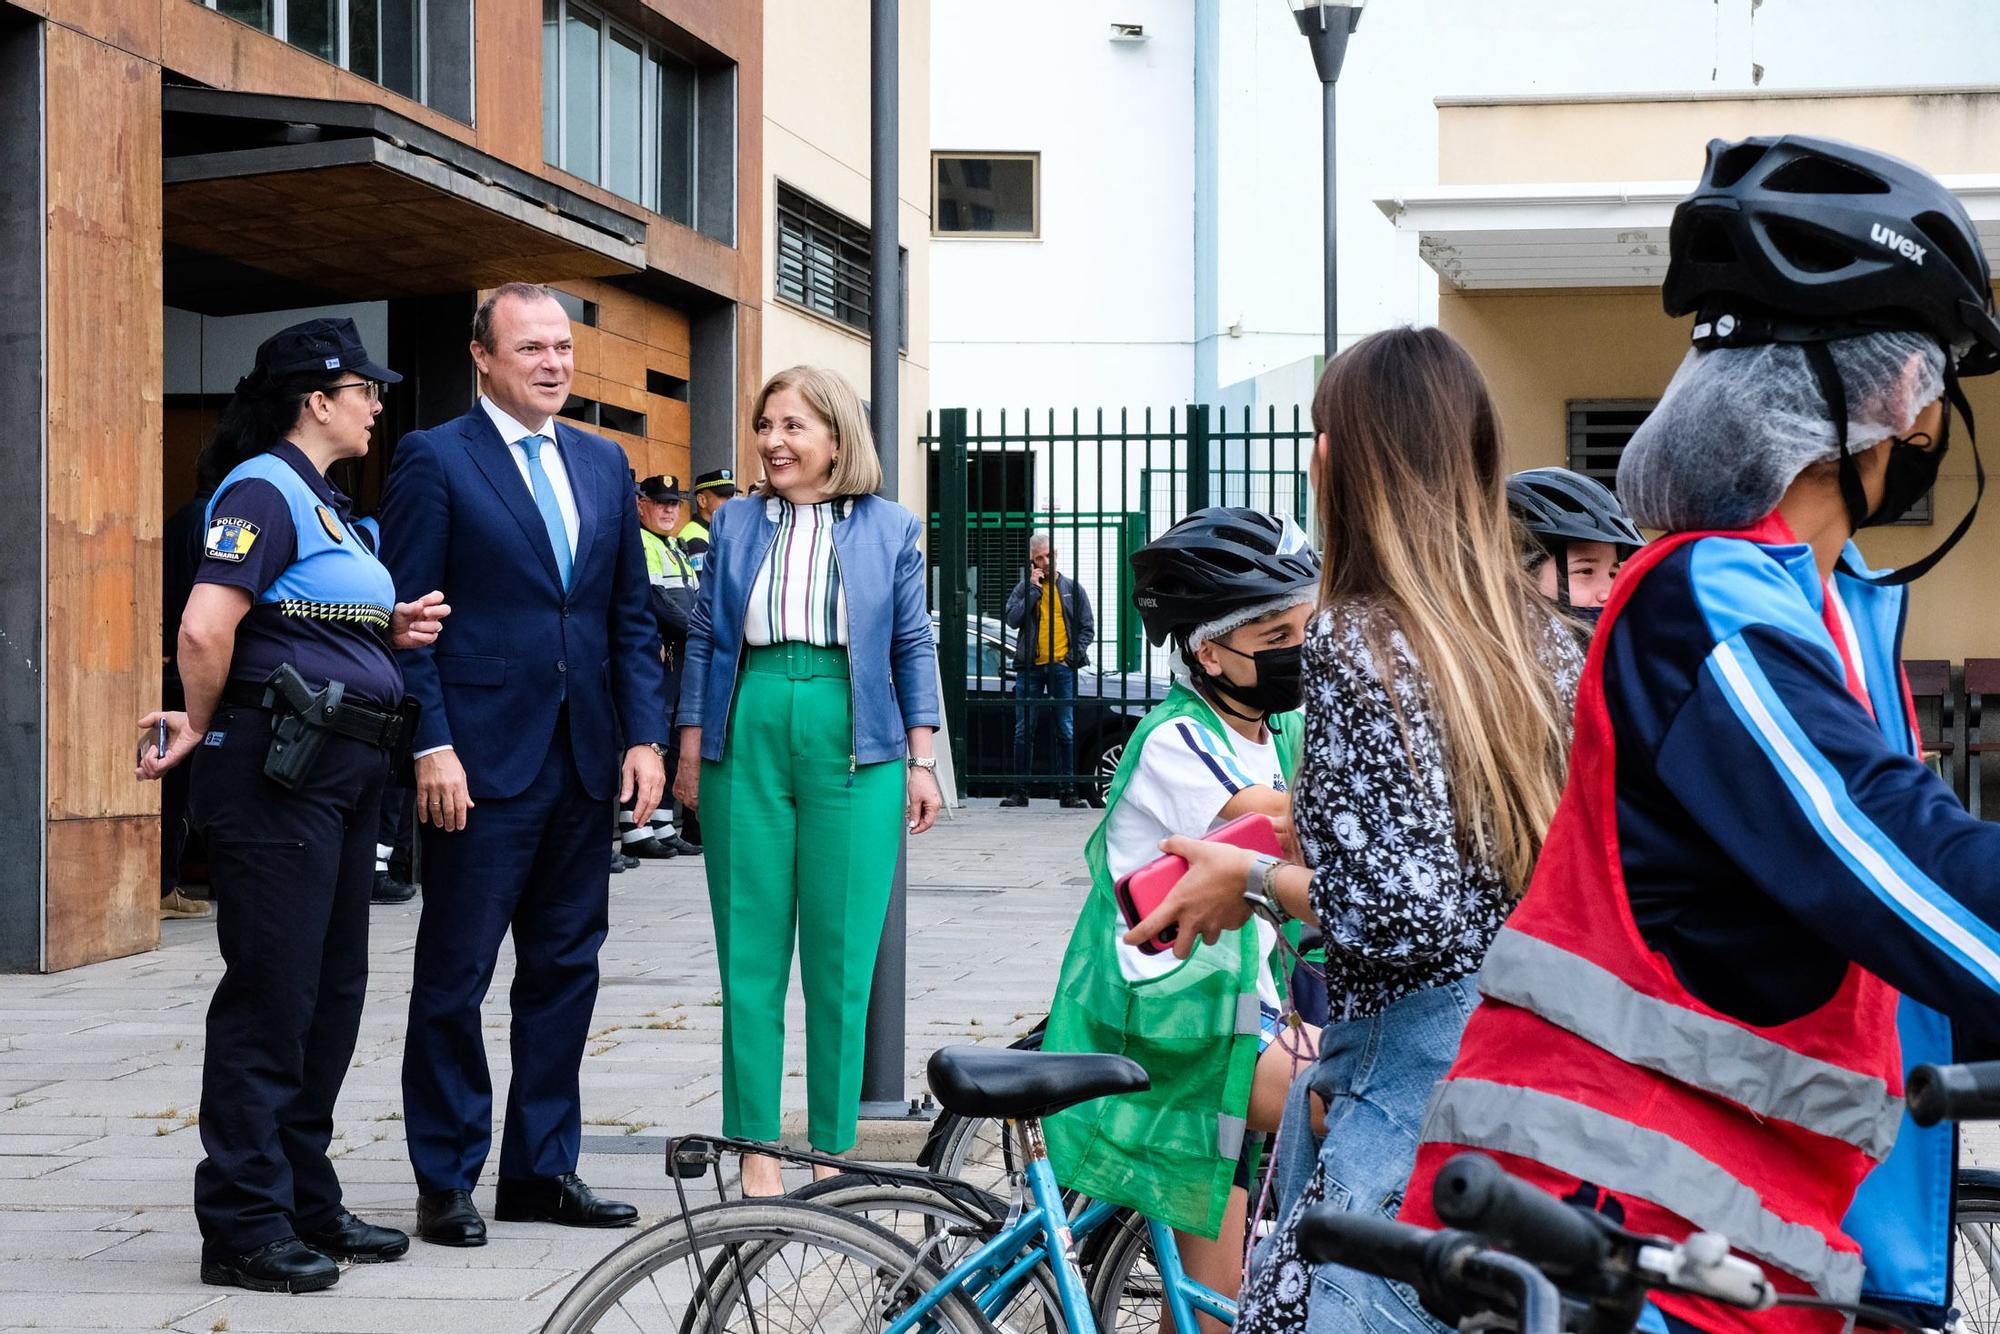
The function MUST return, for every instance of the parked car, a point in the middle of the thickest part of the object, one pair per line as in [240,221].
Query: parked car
[1109,705]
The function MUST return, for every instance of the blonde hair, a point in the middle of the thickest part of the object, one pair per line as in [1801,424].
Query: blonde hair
[1413,511]
[857,469]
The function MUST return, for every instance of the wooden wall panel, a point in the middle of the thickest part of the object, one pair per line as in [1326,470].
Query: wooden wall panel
[105,347]
[104,889]
[507,94]
[133,26]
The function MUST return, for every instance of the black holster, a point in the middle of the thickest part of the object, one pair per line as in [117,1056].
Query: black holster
[296,735]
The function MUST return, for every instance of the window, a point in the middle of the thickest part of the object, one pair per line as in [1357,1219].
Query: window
[992,194]
[824,263]
[578,310]
[419,48]
[666,386]
[619,110]
[607,415]
[1598,432]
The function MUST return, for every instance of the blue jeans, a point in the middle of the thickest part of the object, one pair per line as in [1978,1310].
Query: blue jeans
[1375,1076]
[1059,683]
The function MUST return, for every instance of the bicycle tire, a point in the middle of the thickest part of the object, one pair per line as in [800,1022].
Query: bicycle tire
[1975,1269]
[1126,1293]
[915,1214]
[758,1232]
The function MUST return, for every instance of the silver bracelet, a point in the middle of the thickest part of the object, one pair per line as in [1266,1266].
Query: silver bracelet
[1258,887]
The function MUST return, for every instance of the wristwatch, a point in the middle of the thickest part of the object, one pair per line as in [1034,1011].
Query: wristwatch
[658,750]
[1260,891]
[927,763]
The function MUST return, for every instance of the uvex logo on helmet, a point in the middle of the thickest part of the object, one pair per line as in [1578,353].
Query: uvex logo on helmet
[1896,241]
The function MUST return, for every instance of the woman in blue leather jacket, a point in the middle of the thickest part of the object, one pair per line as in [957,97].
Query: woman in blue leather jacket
[807,714]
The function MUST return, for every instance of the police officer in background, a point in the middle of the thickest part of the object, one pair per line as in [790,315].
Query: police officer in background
[712,490]
[294,707]
[672,572]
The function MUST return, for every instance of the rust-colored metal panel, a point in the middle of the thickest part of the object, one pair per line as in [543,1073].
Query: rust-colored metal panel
[507,101]
[104,889]
[105,346]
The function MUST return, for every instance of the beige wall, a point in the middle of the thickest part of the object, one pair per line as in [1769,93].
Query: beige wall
[1663,140]
[816,139]
[1540,350]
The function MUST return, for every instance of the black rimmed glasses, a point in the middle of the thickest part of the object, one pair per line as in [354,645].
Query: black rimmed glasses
[372,387]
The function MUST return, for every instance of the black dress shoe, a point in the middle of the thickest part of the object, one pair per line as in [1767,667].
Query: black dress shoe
[564,1199]
[388,889]
[283,1266]
[348,1238]
[1014,799]
[651,849]
[683,847]
[450,1218]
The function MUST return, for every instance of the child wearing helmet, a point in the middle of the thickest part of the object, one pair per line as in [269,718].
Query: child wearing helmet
[1757,907]
[1230,590]
[1575,536]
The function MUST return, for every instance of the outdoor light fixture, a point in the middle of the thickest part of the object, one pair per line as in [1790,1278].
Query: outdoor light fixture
[1327,28]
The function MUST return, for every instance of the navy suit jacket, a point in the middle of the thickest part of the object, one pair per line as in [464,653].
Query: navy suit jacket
[457,516]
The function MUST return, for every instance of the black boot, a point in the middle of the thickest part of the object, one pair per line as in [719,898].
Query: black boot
[283,1266]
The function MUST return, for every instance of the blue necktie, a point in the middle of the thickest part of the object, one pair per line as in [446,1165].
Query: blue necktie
[545,501]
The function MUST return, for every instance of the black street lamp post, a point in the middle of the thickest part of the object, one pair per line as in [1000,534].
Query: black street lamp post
[1327,28]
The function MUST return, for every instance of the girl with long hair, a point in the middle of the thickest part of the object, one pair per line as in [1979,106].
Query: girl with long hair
[1438,690]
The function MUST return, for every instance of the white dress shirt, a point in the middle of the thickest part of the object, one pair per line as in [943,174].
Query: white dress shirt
[514,433]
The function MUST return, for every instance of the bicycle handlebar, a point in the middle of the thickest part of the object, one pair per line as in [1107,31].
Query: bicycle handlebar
[1450,1270]
[1475,1193]
[1969,1092]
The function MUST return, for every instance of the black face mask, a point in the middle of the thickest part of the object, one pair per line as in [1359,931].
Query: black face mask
[1279,687]
[1912,472]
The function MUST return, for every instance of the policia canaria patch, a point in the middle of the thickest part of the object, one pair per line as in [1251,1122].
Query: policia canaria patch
[231,539]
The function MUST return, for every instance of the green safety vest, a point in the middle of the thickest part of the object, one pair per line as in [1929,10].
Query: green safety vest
[1170,1152]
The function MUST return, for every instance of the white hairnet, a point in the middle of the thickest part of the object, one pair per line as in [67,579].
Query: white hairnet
[1737,424]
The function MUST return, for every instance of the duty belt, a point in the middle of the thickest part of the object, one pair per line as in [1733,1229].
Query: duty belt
[360,722]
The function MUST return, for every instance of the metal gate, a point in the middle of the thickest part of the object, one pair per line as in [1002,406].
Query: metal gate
[1100,485]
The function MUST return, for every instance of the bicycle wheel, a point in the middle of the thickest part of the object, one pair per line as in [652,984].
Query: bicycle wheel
[788,1268]
[1126,1292]
[1975,1268]
[919,1214]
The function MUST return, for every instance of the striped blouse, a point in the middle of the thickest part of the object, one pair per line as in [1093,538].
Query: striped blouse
[797,597]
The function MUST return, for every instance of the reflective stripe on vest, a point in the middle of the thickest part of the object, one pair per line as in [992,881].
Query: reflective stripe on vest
[1699,1050]
[1612,1153]
[1230,1133]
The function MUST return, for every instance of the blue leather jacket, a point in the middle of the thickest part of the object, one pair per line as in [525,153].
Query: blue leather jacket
[890,649]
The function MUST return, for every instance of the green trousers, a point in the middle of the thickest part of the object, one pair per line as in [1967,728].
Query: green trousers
[799,842]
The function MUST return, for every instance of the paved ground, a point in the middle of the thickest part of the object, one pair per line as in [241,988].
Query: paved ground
[100,1087]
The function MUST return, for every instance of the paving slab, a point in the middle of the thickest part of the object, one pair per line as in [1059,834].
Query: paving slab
[100,1082]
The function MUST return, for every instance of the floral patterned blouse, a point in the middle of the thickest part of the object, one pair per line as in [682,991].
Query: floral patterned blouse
[1401,908]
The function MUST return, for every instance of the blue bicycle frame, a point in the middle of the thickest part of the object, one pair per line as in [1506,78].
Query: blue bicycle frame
[994,1273]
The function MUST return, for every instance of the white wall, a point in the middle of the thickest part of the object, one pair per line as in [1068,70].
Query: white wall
[208,354]
[1100,310]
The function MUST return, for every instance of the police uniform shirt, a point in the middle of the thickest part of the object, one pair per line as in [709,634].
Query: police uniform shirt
[321,601]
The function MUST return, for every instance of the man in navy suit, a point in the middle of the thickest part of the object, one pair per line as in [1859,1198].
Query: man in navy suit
[547,703]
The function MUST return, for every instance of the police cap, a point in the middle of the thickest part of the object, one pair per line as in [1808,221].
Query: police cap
[662,489]
[320,345]
[721,481]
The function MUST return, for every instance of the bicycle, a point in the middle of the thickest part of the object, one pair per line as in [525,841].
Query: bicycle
[788,1264]
[1516,1258]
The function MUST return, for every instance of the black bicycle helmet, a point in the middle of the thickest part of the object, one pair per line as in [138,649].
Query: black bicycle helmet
[1217,561]
[1556,507]
[1798,239]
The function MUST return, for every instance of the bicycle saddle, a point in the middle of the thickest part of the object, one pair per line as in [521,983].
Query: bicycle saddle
[1023,1085]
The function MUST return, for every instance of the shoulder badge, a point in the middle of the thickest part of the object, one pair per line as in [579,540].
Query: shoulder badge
[330,524]
[231,539]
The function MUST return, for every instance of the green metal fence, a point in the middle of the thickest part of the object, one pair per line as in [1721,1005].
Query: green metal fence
[1100,484]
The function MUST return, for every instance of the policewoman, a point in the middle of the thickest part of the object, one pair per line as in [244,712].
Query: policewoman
[712,490]
[811,679]
[294,707]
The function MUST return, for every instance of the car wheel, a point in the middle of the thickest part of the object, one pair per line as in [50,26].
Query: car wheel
[1104,765]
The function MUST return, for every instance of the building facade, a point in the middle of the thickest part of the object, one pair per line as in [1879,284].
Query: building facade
[187,176]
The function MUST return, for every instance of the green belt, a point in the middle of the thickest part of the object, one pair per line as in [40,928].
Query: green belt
[799,661]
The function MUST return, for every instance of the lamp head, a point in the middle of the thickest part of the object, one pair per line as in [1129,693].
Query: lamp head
[1326,27]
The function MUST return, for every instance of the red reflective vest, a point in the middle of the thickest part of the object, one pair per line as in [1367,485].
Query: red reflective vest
[1590,1070]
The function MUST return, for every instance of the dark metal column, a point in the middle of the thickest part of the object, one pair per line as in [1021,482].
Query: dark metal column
[1327,26]
[1332,229]
[882,1067]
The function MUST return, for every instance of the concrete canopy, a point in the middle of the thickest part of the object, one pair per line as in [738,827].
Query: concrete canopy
[1502,237]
